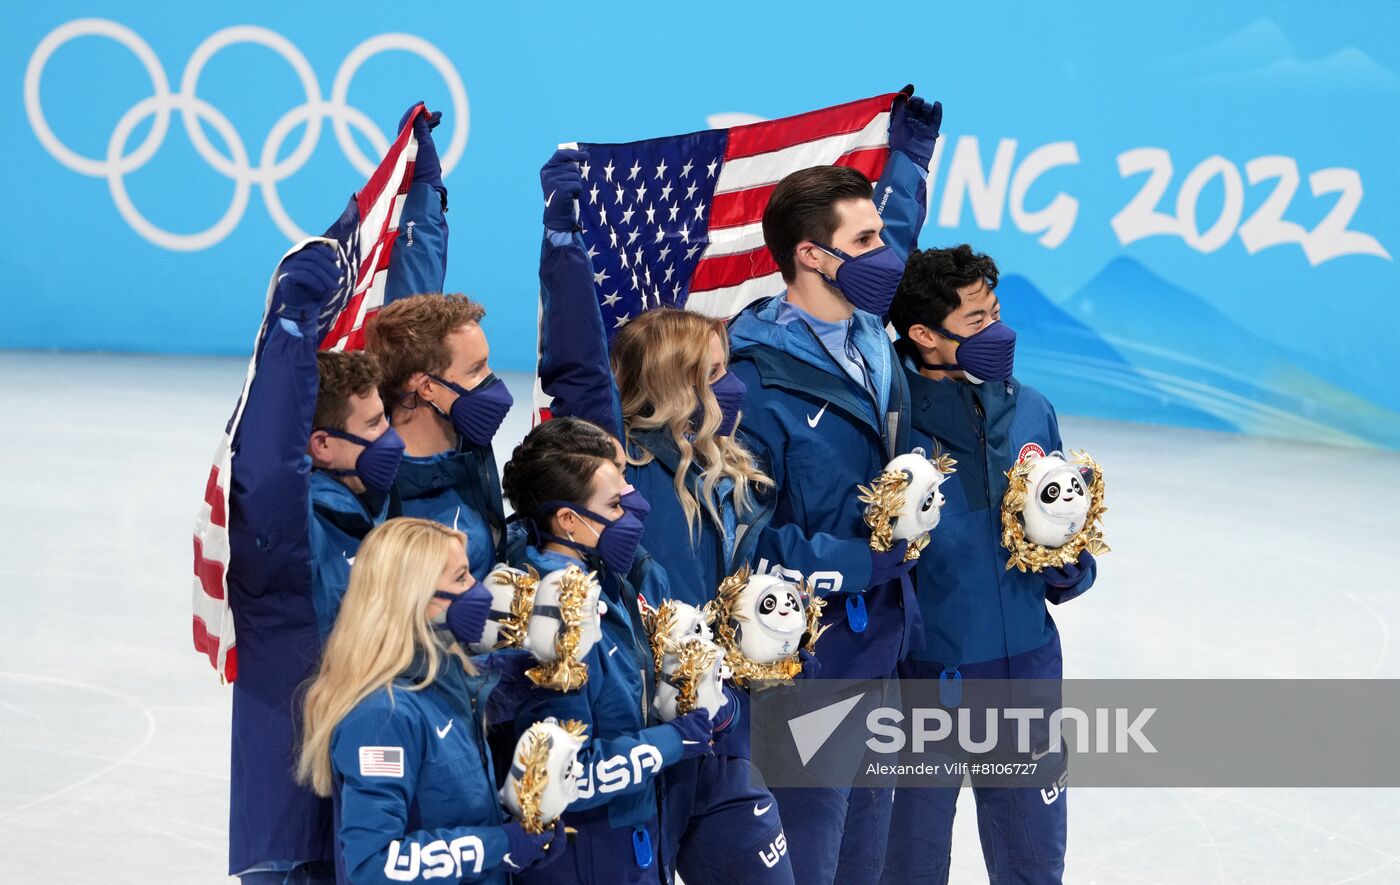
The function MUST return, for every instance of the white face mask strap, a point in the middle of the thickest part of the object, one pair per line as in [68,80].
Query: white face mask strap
[597,535]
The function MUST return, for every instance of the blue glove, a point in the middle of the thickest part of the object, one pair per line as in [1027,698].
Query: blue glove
[307,278]
[426,169]
[914,125]
[562,183]
[889,566]
[811,667]
[1061,583]
[530,851]
[697,734]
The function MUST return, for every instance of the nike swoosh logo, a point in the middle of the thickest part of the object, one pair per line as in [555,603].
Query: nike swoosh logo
[812,421]
[1036,757]
[507,861]
[612,651]
[442,732]
[759,812]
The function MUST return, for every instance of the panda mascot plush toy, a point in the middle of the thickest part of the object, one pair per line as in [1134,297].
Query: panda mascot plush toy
[565,624]
[1051,511]
[762,622]
[904,503]
[544,773]
[690,667]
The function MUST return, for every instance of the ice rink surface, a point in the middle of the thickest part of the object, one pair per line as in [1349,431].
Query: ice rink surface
[1232,557]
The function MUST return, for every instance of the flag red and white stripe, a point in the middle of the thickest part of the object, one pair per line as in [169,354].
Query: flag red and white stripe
[368,243]
[736,268]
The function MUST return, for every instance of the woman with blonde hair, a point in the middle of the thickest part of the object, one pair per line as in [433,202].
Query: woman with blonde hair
[392,728]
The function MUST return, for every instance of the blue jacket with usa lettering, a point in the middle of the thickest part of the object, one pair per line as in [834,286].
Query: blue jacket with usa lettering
[974,609]
[414,795]
[625,750]
[292,533]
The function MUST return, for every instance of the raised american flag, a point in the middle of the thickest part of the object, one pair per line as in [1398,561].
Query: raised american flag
[364,238]
[677,221]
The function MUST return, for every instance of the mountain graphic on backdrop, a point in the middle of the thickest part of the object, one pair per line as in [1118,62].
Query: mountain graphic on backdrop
[1079,371]
[1132,346]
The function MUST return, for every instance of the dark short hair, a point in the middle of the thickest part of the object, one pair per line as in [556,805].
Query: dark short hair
[928,291]
[556,462]
[803,207]
[342,375]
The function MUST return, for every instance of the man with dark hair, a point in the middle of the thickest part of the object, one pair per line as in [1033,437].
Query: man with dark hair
[447,404]
[826,409]
[982,620]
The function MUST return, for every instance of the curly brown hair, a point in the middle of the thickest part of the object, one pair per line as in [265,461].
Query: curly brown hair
[343,375]
[410,336]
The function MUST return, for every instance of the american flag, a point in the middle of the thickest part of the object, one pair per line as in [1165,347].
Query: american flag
[381,761]
[677,221]
[364,237]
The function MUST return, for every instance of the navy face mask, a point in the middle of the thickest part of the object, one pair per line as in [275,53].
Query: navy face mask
[477,413]
[378,463]
[635,504]
[616,544]
[729,392]
[867,280]
[985,356]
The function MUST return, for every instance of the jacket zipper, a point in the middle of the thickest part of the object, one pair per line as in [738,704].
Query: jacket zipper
[841,373]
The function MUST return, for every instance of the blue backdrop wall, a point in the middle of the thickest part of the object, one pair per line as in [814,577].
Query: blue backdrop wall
[1194,205]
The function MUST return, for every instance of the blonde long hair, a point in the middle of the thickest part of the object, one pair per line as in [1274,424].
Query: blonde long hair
[661,361]
[382,626]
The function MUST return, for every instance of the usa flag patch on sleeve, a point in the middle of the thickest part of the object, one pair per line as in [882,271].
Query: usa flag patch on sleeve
[381,761]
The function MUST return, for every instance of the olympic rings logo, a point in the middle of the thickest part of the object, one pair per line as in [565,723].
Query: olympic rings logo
[118,163]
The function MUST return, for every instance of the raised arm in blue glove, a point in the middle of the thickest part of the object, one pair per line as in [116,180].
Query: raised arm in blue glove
[306,279]
[426,169]
[562,183]
[914,125]
[528,851]
[890,565]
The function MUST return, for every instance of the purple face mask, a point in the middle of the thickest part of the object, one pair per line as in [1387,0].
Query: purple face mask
[867,280]
[987,355]
[729,392]
[477,413]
